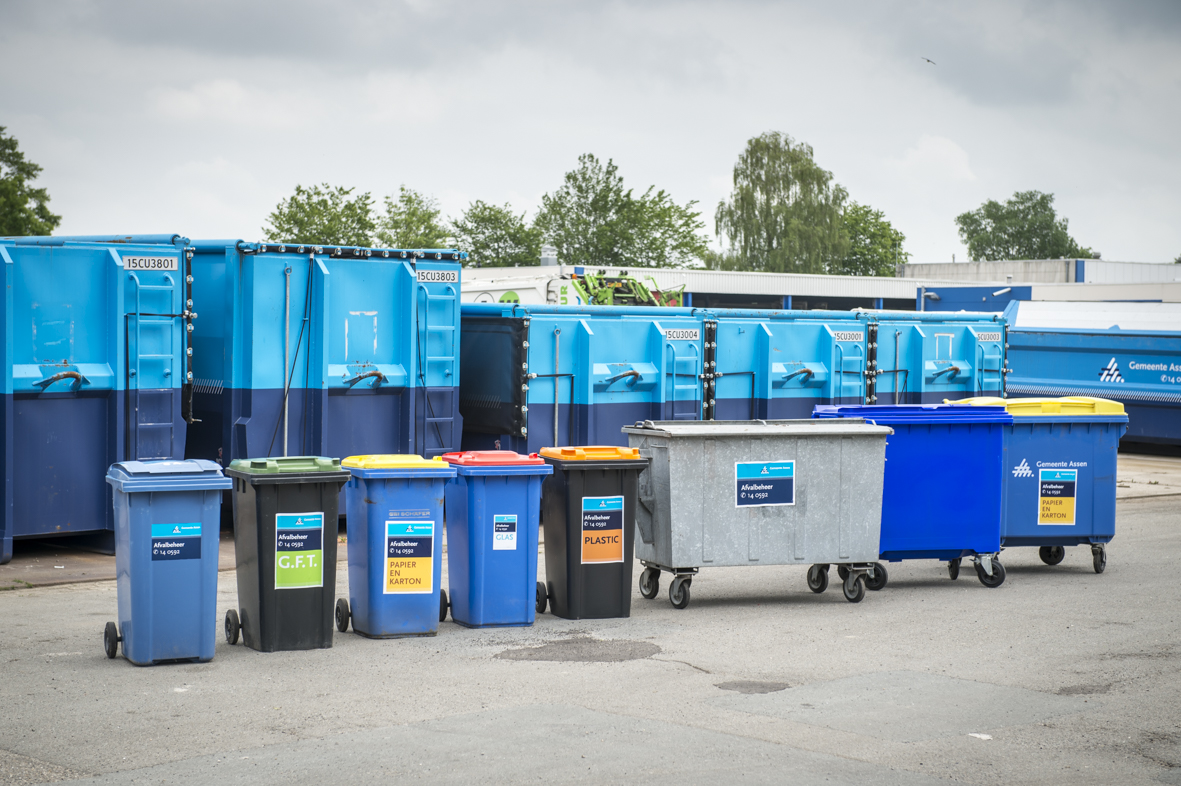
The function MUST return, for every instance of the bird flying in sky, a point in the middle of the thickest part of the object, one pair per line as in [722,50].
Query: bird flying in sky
[929,60]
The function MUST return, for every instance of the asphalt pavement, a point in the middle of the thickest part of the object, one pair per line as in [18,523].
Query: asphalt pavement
[1058,676]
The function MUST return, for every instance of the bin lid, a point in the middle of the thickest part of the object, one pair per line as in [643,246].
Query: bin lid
[167,475]
[276,465]
[391,461]
[914,413]
[593,453]
[492,458]
[1069,405]
[757,428]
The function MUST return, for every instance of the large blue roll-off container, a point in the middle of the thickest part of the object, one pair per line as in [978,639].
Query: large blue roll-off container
[324,350]
[1127,352]
[96,367]
[542,375]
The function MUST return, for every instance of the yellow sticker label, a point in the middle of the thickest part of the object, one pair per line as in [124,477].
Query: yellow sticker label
[409,557]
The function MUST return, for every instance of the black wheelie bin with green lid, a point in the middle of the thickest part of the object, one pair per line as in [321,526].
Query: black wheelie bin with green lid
[285,530]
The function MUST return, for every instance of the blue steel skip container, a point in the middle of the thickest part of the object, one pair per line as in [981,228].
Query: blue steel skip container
[395,523]
[944,483]
[493,512]
[1060,474]
[96,370]
[167,521]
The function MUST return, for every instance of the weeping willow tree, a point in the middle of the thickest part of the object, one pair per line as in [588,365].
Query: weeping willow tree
[785,212]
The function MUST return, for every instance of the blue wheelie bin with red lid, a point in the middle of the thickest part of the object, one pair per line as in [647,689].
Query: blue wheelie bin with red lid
[493,510]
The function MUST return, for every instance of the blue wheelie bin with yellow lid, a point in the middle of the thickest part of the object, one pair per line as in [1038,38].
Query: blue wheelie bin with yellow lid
[395,521]
[1060,473]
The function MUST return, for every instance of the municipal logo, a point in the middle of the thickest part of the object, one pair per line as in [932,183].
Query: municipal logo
[1022,470]
[1110,373]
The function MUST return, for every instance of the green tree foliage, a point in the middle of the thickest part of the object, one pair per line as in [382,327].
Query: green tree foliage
[23,210]
[495,236]
[323,216]
[412,221]
[1024,227]
[593,220]
[784,214]
[875,246]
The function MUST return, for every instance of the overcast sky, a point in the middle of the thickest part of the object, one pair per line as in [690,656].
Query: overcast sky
[153,117]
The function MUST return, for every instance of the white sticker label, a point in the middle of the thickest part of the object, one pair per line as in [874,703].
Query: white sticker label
[149,263]
[988,336]
[438,276]
[504,533]
[682,334]
[847,335]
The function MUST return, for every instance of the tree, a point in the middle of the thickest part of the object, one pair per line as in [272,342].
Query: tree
[875,246]
[23,210]
[494,236]
[412,221]
[322,216]
[784,214]
[593,220]
[1024,227]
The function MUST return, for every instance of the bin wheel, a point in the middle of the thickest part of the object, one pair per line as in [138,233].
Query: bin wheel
[678,591]
[233,627]
[650,583]
[818,578]
[996,579]
[1099,558]
[111,639]
[443,604]
[342,615]
[1051,555]
[854,587]
[879,578]
[843,571]
[953,568]
[542,598]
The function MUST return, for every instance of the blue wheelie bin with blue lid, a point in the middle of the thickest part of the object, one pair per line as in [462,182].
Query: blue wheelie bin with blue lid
[167,523]
[493,512]
[944,484]
[1060,474]
[395,523]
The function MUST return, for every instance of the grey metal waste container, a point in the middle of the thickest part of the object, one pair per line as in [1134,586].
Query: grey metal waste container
[778,492]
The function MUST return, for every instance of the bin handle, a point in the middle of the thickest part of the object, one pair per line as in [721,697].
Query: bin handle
[366,375]
[807,372]
[953,370]
[79,380]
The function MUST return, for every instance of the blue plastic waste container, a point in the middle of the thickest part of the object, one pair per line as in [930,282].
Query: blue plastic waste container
[167,521]
[395,523]
[944,485]
[493,511]
[1060,474]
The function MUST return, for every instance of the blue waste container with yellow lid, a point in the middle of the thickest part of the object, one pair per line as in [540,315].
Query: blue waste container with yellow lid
[1060,473]
[395,550]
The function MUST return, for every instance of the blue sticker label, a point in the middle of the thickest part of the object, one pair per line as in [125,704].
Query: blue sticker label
[762,483]
[176,541]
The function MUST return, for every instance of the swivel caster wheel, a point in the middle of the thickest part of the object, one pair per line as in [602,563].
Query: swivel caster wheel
[854,587]
[818,578]
[1051,555]
[843,571]
[342,615]
[879,578]
[953,568]
[996,579]
[650,583]
[1099,557]
[678,591]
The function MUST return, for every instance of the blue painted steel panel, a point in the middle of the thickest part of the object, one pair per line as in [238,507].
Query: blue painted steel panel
[370,356]
[95,368]
[926,358]
[1140,369]
[604,366]
[994,297]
